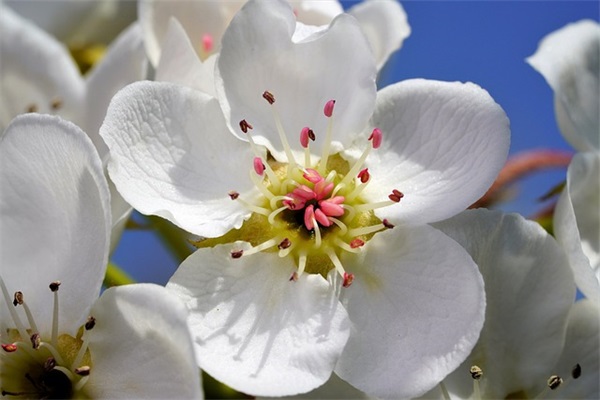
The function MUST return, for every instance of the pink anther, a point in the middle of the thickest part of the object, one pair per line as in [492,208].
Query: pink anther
[364,175]
[259,167]
[312,175]
[309,217]
[348,279]
[328,110]
[322,218]
[333,207]
[207,42]
[376,137]
[356,243]
[322,189]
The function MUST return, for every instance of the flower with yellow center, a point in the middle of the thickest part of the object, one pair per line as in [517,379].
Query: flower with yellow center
[315,252]
[58,339]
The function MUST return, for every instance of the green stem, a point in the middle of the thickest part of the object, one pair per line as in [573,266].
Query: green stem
[176,240]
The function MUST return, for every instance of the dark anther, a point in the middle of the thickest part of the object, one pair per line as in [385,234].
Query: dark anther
[35,340]
[311,135]
[554,382]
[285,243]
[56,103]
[54,286]
[268,96]
[233,195]
[396,196]
[476,372]
[90,323]
[244,126]
[32,108]
[237,253]
[18,298]
[49,364]
[387,224]
[83,371]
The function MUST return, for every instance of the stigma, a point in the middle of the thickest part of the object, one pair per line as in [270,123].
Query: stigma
[312,211]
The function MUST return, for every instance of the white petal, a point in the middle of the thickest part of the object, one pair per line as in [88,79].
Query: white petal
[529,291]
[334,388]
[577,222]
[316,12]
[569,59]
[37,71]
[125,62]
[416,306]
[443,145]
[173,156]
[179,62]
[581,347]
[385,24]
[334,64]
[255,330]
[55,217]
[141,346]
[198,18]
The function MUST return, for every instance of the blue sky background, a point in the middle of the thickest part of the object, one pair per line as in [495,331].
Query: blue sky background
[485,42]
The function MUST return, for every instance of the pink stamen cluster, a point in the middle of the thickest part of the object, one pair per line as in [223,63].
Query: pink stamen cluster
[318,207]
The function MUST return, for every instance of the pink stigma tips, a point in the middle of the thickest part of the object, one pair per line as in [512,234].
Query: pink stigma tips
[312,175]
[305,135]
[328,110]
[356,243]
[387,224]
[396,196]
[376,137]
[233,195]
[237,253]
[9,348]
[364,175]
[207,43]
[268,96]
[259,167]
[348,279]
[244,126]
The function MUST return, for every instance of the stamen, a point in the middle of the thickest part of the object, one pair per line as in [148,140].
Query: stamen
[245,126]
[9,348]
[54,288]
[83,371]
[356,243]
[237,253]
[56,103]
[252,207]
[13,311]
[373,206]
[476,374]
[348,279]
[345,246]
[285,243]
[387,224]
[49,364]
[576,371]
[396,196]
[294,277]
[365,230]
[233,195]
[444,391]
[282,136]
[90,323]
[18,300]
[35,340]
[554,382]
[271,217]
[364,175]
[305,135]
[263,246]
[340,224]
[32,108]
[328,111]
[301,263]
[376,138]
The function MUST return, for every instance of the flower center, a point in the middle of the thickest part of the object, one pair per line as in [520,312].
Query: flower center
[34,367]
[311,212]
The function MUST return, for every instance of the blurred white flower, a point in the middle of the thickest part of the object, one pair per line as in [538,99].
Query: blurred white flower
[39,75]
[533,330]
[58,339]
[569,59]
[303,273]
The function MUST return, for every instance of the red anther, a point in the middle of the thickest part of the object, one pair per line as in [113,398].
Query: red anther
[328,110]
[259,167]
[237,253]
[233,195]
[268,96]
[322,218]
[244,126]
[364,175]
[376,137]
[332,207]
[348,279]
[9,348]
[207,42]
[36,340]
[309,217]
[396,196]
[356,243]
[387,224]
[285,243]
[305,134]
[54,286]
[294,277]
[312,175]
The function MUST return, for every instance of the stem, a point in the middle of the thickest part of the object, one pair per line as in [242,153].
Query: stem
[115,276]
[175,239]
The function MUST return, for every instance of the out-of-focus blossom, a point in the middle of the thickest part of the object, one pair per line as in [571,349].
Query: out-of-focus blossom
[384,23]
[533,330]
[569,60]
[39,75]
[301,273]
[58,339]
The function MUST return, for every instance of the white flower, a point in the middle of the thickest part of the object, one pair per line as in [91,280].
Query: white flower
[272,310]
[384,23]
[569,59]
[38,75]
[533,329]
[58,339]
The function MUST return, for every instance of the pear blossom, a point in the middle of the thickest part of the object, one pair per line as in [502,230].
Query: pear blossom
[39,75]
[384,22]
[59,340]
[534,337]
[569,60]
[311,194]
